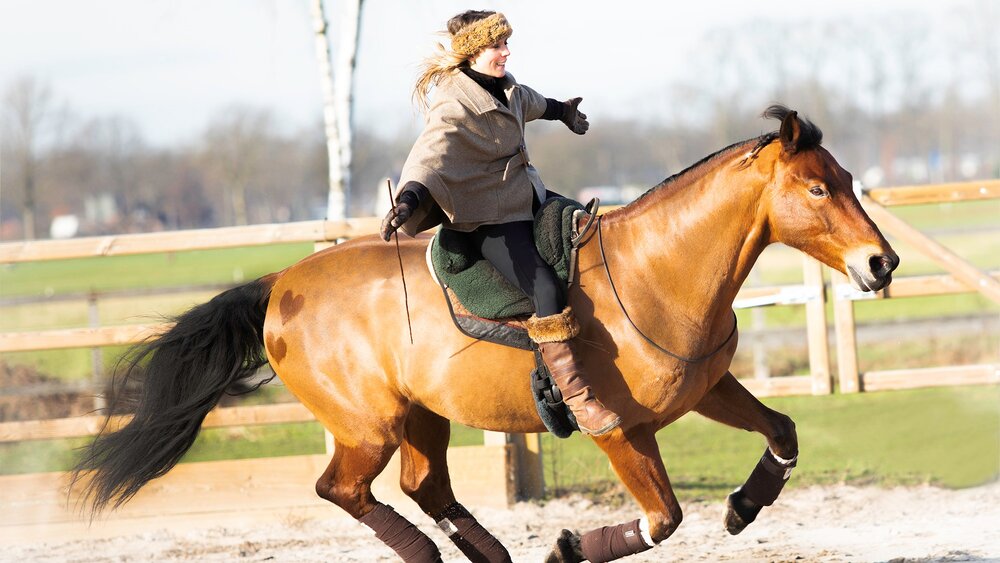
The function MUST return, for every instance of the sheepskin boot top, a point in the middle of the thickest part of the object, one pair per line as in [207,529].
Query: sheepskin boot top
[555,336]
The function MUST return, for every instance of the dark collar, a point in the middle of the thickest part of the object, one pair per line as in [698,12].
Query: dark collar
[484,80]
[495,86]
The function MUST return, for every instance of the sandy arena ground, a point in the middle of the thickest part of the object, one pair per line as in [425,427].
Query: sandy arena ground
[839,523]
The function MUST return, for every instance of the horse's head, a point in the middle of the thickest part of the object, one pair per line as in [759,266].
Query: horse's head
[813,207]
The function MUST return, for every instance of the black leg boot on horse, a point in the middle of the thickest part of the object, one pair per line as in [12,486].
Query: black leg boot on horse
[730,403]
[555,336]
[412,545]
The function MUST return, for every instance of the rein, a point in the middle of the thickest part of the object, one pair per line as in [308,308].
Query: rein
[399,256]
[607,269]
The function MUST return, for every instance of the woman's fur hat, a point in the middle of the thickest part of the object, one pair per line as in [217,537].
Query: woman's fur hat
[478,35]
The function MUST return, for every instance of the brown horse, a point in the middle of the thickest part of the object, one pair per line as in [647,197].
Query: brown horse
[657,280]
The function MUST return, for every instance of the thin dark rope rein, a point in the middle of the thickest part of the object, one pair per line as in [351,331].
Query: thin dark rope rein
[607,269]
[406,295]
[399,256]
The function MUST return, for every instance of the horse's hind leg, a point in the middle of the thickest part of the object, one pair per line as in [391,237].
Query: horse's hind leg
[347,483]
[730,403]
[424,477]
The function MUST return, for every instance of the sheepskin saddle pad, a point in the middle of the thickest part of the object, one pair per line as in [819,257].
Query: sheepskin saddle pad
[479,288]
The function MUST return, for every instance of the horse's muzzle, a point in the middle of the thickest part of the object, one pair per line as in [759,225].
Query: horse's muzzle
[877,274]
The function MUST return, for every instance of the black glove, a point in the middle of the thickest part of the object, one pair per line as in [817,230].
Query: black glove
[395,219]
[574,118]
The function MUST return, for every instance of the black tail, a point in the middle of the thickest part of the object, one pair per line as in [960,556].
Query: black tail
[184,373]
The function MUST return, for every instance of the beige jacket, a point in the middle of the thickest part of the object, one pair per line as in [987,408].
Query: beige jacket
[471,157]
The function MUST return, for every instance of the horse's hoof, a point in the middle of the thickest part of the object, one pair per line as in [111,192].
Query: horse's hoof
[740,512]
[566,550]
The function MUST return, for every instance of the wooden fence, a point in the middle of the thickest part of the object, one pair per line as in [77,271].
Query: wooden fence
[507,466]
[962,277]
[35,507]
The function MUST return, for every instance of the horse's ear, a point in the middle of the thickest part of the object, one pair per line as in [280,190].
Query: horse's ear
[791,129]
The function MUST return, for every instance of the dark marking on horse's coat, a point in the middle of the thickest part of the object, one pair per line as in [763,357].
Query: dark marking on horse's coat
[277,347]
[290,305]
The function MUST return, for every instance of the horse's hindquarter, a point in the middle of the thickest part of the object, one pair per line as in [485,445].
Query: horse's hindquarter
[336,333]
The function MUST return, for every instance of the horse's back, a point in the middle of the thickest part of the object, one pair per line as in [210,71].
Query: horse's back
[350,291]
[368,258]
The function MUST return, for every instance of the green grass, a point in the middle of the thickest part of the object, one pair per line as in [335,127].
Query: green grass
[229,265]
[880,310]
[885,354]
[177,269]
[944,436]
[958,215]
[238,442]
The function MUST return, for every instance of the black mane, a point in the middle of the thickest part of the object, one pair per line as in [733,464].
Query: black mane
[810,135]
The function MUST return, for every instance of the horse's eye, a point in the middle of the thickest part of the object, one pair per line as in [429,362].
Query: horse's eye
[817,191]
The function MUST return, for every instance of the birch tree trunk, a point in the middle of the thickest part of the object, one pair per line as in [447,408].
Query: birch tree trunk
[338,101]
[344,91]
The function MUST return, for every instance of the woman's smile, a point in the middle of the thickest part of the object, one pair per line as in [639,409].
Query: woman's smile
[492,60]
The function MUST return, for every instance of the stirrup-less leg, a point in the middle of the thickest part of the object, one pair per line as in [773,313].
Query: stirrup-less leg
[555,336]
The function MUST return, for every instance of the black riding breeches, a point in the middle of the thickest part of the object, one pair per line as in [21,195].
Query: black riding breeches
[510,247]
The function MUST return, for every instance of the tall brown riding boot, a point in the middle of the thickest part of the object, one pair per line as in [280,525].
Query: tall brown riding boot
[554,335]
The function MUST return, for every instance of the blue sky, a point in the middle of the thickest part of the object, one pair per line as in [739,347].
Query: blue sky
[169,65]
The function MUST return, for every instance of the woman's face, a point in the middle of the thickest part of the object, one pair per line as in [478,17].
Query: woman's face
[492,60]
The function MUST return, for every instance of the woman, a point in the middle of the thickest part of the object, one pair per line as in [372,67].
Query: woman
[469,172]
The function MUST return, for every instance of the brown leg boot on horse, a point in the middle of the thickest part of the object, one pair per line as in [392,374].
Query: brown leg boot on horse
[555,336]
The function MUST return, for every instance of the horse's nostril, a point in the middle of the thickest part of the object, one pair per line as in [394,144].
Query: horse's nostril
[881,264]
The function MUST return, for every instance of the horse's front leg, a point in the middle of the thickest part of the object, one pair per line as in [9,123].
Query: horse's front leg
[635,457]
[730,403]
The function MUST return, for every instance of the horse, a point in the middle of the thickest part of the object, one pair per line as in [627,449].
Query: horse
[656,283]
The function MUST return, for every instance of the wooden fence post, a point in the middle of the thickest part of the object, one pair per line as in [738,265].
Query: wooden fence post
[96,357]
[531,476]
[847,346]
[761,369]
[524,463]
[819,347]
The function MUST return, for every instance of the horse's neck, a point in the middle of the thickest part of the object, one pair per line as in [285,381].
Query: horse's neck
[691,244]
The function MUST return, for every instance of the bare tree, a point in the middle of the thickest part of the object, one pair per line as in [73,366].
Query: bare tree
[338,100]
[235,144]
[726,66]
[176,180]
[116,148]
[27,105]
[980,23]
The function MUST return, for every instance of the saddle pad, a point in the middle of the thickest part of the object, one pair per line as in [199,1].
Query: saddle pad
[510,331]
[479,286]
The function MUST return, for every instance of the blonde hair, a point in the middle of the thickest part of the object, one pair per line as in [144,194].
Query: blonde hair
[470,32]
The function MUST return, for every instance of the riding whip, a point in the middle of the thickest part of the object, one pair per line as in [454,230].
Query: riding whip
[399,255]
